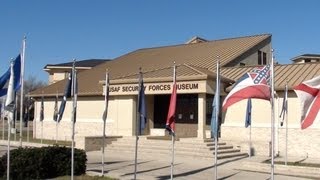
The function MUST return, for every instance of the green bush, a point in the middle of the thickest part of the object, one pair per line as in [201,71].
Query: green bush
[44,162]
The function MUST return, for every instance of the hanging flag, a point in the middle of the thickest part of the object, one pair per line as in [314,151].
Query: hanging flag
[214,127]
[141,105]
[254,84]
[55,110]
[6,76]
[106,97]
[67,94]
[309,96]
[74,92]
[17,73]
[170,124]
[216,105]
[3,80]
[284,110]
[248,114]
[42,110]
[10,100]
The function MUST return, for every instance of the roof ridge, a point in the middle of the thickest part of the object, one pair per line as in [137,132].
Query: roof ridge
[208,41]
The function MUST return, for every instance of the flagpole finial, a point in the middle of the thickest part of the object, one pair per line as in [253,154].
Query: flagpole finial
[140,69]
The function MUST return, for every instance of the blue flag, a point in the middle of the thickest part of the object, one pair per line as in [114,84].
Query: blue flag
[248,113]
[216,105]
[67,94]
[17,73]
[142,105]
[214,127]
[42,110]
[3,80]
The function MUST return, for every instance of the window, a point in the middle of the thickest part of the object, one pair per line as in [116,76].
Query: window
[307,60]
[242,64]
[259,58]
[262,58]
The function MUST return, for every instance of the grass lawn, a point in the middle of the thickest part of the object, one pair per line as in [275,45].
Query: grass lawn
[16,137]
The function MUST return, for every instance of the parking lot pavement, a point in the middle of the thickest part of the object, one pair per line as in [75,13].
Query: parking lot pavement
[157,166]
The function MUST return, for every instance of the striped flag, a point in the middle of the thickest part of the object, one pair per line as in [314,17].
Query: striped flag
[308,93]
[170,124]
[141,105]
[248,113]
[254,84]
[284,110]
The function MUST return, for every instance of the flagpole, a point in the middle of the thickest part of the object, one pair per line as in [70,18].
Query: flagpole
[57,125]
[2,118]
[173,133]
[105,119]
[15,117]
[10,105]
[286,156]
[22,86]
[137,131]
[56,116]
[217,109]
[8,150]
[73,91]
[272,116]
[28,116]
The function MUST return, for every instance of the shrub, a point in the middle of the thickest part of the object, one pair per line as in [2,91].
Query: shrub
[44,162]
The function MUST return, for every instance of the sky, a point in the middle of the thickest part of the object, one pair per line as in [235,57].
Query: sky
[59,31]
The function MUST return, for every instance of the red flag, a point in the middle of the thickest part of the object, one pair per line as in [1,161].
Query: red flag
[170,124]
[309,94]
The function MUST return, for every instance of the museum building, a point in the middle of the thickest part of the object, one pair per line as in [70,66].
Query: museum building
[196,74]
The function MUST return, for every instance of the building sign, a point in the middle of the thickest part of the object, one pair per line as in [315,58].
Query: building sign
[159,88]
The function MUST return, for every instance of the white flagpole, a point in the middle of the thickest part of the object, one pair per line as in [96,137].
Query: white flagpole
[10,102]
[217,109]
[272,116]
[28,116]
[22,86]
[173,134]
[2,118]
[105,119]
[74,94]
[57,118]
[250,142]
[15,117]
[137,131]
[57,131]
[286,114]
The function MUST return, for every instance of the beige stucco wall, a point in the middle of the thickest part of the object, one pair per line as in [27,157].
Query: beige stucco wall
[121,115]
[300,142]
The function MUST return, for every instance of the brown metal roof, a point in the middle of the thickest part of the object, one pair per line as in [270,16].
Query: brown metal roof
[294,74]
[198,55]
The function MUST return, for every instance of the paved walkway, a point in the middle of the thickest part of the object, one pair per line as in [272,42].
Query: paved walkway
[156,166]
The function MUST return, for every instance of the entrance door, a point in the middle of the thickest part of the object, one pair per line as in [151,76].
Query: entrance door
[186,116]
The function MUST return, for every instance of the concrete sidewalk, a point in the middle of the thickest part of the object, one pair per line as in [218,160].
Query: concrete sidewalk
[157,166]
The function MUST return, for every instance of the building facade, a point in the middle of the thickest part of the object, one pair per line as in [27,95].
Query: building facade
[196,66]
